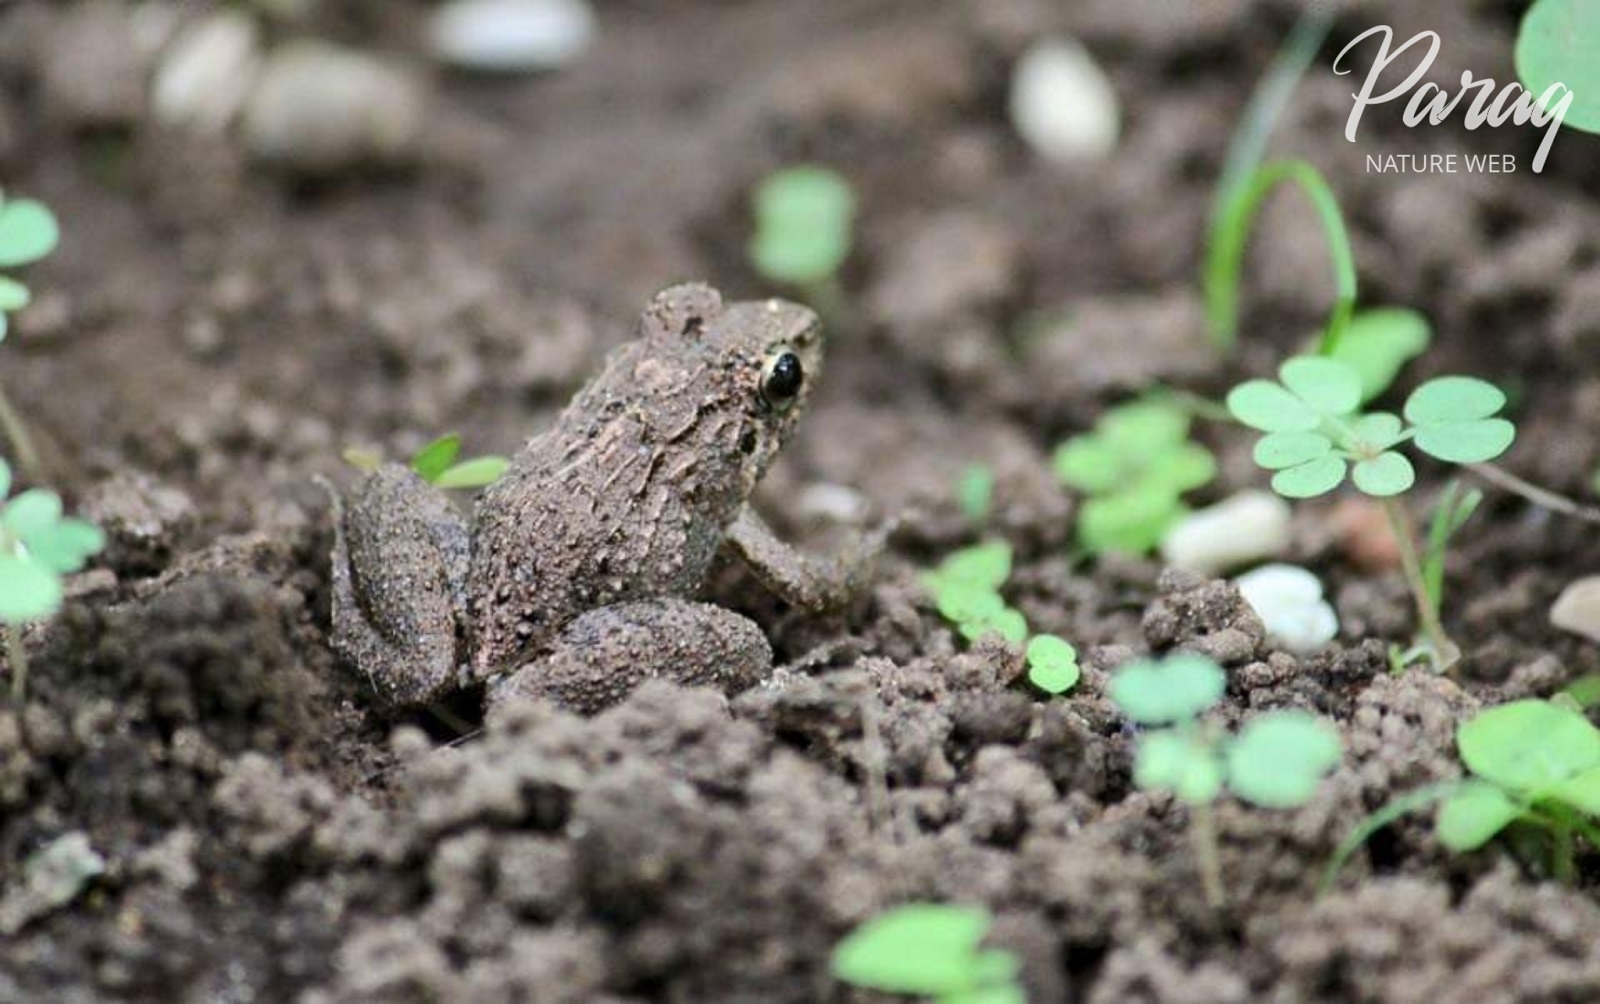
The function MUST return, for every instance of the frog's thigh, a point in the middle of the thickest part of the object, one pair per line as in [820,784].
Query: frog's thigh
[599,658]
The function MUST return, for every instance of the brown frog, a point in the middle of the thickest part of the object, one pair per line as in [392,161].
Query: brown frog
[577,577]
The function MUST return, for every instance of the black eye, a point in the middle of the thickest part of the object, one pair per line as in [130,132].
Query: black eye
[782,378]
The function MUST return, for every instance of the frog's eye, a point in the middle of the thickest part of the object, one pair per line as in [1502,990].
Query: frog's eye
[782,376]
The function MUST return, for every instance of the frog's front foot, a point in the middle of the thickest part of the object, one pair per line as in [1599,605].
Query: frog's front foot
[399,578]
[600,657]
[804,580]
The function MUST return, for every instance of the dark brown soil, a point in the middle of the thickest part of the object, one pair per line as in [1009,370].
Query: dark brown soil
[212,334]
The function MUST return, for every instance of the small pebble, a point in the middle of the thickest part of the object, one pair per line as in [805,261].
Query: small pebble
[1289,601]
[207,73]
[1062,103]
[511,36]
[1249,527]
[1578,608]
[319,108]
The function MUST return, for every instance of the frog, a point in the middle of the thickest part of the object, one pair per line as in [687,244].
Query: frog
[580,572]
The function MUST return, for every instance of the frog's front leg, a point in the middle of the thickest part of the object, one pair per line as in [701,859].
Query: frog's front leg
[800,579]
[601,656]
[399,586]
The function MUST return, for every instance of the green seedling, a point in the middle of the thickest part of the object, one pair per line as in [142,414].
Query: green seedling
[1276,761]
[1556,45]
[931,951]
[1134,469]
[38,545]
[804,217]
[1379,342]
[1317,436]
[1534,770]
[975,492]
[28,232]
[966,589]
[436,464]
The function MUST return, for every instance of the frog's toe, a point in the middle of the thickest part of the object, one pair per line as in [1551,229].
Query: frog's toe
[603,655]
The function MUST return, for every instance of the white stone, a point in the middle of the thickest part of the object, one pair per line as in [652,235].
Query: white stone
[1577,609]
[320,107]
[511,36]
[1289,601]
[207,72]
[1062,103]
[1251,526]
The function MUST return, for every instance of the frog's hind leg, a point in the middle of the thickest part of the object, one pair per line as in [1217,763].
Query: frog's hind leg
[600,657]
[399,575]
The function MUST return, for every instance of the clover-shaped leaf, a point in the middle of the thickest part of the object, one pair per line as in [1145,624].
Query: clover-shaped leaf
[1386,474]
[1313,389]
[803,218]
[13,295]
[1309,480]
[1453,419]
[987,564]
[1006,622]
[28,590]
[1472,815]
[1181,764]
[1278,759]
[1052,664]
[1529,745]
[28,232]
[1130,522]
[1171,690]
[1379,342]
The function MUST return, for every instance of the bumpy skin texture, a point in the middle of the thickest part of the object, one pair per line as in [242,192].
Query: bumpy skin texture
[623,503]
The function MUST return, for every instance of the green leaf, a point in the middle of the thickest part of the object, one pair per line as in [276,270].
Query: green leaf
[434,459]
[803,219]
[1384,475]
[1467,442]
[28,232]
[13,294]
[1279,759]
[975,492]
[1088,463]
[1528,745]
[1183,468]
[1052,664]
[28,590]
[1263,405]
[1007,994]
[1377,431]
[1378,343]
[924,949]
[1330,387]
[5,479]
[1131,522]
[1279,450]
[1171,690]
[362,460]
[1556,45]
[1007,623]
[1581,792]
[962,602]
[34,511]
[1310,480]
[1453,399]
[1172,761]
[1472,816]
[986,564]
[479,472]
[67,546]
[1145,427]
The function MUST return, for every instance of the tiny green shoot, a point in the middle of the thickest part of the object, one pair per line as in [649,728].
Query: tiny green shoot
[437,464]
[966,589]
[28,232]
[1317,436]
[804,218]
[1455,508]
[1276,761]
[929,950]
[38,546]
[975,492]
[1533,764]
[1134,468]
[1556,46]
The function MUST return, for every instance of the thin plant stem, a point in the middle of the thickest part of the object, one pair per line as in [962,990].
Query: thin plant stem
[1445,651]
[1544,498]
[1402,806]
[17,655]
[16,431]
[1203,832]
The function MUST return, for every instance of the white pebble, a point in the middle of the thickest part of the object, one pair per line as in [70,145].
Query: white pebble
[206,74]
[1063,104]
[1289,601]
[511,36]
[1251,526]
[320,107]
[1578,608]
